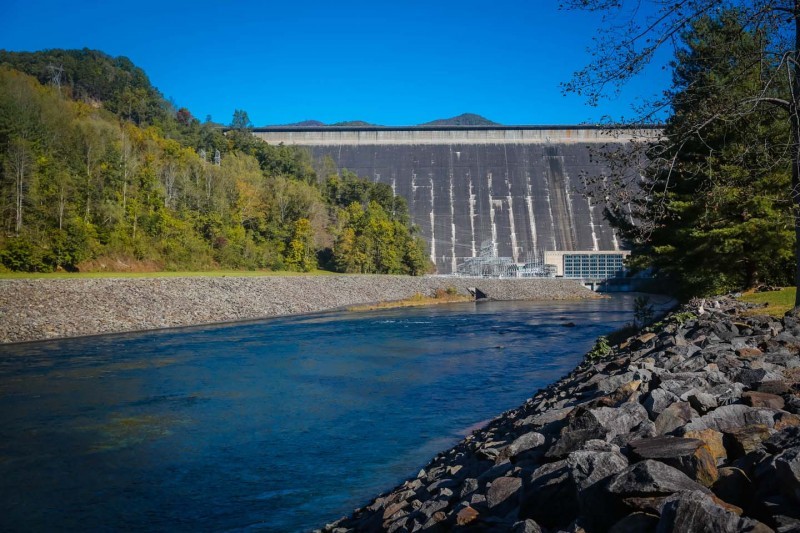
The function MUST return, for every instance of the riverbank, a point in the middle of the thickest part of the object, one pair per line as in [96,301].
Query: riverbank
[693,426]
[38,309]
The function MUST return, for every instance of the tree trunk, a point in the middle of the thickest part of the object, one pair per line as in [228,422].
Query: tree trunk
[19,195]
[795,140]
[88,183]
[62,202]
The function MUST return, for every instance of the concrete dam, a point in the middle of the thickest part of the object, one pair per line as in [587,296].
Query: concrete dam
[517,187]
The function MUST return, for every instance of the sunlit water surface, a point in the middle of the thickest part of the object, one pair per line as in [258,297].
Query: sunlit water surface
[276,425]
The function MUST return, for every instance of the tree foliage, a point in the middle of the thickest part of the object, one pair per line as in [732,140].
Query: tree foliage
[241,121]
[717,216]
[84,183]
[715,204]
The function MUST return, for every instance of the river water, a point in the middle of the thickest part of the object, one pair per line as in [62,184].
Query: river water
[275,425]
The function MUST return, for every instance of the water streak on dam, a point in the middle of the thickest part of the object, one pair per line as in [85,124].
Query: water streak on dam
[517,186]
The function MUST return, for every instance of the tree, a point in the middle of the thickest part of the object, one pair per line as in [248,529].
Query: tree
[241,121]
[300,253]
[19,159]
[633,32]
[717,218]
[184,117]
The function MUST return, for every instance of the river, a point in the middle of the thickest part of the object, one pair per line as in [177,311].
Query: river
[275,425]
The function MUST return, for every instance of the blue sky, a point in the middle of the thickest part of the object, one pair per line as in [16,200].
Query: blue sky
[391,63]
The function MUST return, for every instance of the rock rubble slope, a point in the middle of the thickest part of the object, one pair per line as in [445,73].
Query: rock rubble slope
[691,427]
[45,309]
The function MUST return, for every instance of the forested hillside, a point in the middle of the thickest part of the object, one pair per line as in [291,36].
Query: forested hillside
[99,171]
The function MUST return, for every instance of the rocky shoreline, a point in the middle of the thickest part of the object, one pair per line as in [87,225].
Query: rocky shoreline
[694,426]
[39,309]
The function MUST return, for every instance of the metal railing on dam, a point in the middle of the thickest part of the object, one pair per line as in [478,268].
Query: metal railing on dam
[344,135]
[520,187]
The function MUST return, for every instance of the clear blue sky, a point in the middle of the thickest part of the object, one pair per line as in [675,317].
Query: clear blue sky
[385,62]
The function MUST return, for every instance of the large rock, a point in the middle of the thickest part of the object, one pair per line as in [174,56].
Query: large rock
[734,486]
[503,494]
[763,399]
[573,440]
[787,465]
[589,469]
[741,441]
[788,437]
[752,377]
[731,417]
[526,526]
[702,402]
[691,456]
[549,496]
[466,516]
[605,423]
[620,420]
[693,511]
[547,417]
[657,400]
[608,384]
[643,486]
[673,417]
[713,439]
[521,444]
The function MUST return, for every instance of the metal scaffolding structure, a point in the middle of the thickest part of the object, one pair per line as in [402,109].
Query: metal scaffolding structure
[535,267]
[489,265]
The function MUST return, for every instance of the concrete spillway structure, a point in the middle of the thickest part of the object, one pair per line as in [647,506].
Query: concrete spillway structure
[519,187]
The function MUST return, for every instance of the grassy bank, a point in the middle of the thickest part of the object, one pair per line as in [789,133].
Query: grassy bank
[777,302]
[440,297]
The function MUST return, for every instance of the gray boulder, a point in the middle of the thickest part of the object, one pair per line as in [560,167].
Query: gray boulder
[674,417]
[521,444]
[694,511]
[588,472]
[589,467]
[651,477]
[503,494]
[730,417]
[549,496]
[787,465]
[621,420]
[643,486]
[702,402]
[657,400]
[786,438]
[526,526]
[691,456]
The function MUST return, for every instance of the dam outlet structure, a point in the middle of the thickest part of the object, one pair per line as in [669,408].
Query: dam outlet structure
[521,188]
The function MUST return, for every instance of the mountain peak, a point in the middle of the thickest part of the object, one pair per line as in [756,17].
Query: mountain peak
[465,119]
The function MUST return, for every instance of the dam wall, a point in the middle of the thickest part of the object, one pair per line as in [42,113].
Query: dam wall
[518,187]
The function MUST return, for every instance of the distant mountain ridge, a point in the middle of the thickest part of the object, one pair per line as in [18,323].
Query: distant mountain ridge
[318,124]
[465,119]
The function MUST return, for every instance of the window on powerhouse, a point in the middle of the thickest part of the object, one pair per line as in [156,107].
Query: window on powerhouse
[593,265]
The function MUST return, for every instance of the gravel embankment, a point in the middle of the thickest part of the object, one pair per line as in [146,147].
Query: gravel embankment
[692,427]
[46,309]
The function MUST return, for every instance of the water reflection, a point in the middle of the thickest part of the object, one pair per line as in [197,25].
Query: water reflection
[255,425]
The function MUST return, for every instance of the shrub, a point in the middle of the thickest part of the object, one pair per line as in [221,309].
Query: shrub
[601,349]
